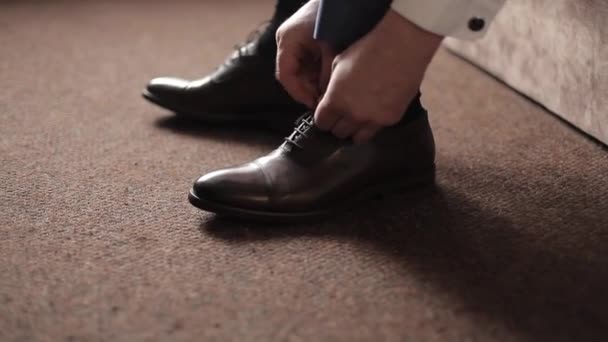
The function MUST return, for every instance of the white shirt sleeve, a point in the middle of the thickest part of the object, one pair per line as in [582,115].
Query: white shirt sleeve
[462,19]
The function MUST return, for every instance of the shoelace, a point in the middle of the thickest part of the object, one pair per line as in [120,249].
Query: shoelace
[303,125]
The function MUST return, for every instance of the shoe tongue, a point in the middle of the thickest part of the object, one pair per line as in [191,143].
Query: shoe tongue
[261,42]
[243,58]
[248,49]
[242,50]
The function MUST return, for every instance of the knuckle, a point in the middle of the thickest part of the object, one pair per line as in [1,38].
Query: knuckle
[278,72]
[358,115]
[324,109]
[336,98]
[284,31]
[280,35]
[335,62]
[280,31]
[337,59]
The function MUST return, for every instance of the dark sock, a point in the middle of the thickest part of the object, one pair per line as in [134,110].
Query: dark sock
[414,110]
[283,10]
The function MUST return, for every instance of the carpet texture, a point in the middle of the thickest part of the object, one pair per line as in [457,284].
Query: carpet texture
[98,241]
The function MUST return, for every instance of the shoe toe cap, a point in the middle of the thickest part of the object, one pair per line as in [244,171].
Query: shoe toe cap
[243,187]
[166,86]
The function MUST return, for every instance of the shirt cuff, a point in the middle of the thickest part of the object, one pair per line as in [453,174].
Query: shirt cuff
[462,19]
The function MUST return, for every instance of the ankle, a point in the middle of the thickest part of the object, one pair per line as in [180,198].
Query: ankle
[285,9]
[267,44]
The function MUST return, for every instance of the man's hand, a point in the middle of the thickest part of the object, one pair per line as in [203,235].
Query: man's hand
[303,63]
[374,80]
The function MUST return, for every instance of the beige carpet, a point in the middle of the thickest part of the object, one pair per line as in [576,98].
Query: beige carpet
[98,241]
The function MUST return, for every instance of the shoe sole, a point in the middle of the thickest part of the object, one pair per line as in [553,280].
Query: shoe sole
[299,217]
[219,118]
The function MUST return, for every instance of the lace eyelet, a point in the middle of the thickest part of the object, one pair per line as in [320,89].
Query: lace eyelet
[303,125]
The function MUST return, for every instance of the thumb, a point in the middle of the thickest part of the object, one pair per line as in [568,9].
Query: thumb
[289,71]
[326,113]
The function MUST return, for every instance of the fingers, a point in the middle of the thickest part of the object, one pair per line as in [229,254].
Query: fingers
[326,115]
[360,133]
[365,134]
[289,72]
[345,128]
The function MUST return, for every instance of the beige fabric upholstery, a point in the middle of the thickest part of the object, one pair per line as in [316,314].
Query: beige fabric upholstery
[554,51]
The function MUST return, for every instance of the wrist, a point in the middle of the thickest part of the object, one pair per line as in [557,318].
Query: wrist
[405,32]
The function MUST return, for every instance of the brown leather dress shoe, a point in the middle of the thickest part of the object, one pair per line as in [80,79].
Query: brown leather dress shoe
[243,90]
[314,174]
